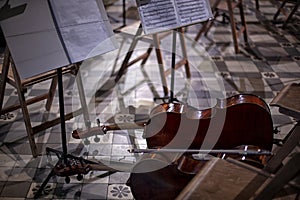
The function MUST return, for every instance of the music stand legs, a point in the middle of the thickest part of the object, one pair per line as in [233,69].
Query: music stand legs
[65,159]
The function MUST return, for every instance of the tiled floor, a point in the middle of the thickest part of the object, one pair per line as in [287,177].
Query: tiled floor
[217,72]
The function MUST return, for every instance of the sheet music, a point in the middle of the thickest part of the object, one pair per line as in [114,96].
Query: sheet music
[84,27]
[157,15]
[40,41]
[33,40]
[162,15]
[192,11]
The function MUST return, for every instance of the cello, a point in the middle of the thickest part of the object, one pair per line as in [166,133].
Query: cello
[240,121]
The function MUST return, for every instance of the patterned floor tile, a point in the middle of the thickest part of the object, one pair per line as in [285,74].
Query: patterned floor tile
[47,192]
[119,191]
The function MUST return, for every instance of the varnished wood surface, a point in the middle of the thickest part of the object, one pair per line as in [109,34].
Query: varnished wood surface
[238,120]
[288,100]
[219,179]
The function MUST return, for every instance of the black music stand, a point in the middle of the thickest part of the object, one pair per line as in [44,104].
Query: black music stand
[63,156]
[172,97]
[66,160]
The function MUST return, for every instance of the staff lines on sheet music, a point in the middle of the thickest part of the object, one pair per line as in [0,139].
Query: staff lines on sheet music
[190,8]
[164,10]
[171,14]
[180,4]
[84,23]
[157,19]
[159,12]
[52,29]
[155,3]
[162,25]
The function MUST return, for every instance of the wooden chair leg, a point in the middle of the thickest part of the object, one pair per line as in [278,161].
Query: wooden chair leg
[243,22]
[51,95]
[293,140]
[286,174]
[257,4]
[160,64]
[184,52]
[25,112]
[279,10]
[149,50]
[233,27]
[210,23]
[125,62]
[291,14]
[206,26]
[83,102]
[203,28]
[3,77]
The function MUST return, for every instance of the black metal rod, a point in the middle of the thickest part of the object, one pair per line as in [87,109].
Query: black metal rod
[173,66]
[62,114]
[124,13]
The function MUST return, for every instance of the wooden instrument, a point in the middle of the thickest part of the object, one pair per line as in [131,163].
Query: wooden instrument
[233,124]
[242,119]
[238,122]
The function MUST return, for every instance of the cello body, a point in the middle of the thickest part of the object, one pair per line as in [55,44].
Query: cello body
[238,120]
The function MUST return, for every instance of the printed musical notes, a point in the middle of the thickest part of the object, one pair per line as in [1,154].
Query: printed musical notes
[162,15]
[54,33]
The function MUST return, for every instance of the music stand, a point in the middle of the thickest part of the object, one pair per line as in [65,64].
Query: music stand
[64,158]
[154,20]
[172,97]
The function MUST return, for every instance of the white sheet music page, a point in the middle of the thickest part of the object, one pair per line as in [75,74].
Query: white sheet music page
[162,15]
[33,40]
[84,27]
[50,34]
[157,15]
[191,12]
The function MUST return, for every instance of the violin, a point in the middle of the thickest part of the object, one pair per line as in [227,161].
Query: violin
[238,122]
